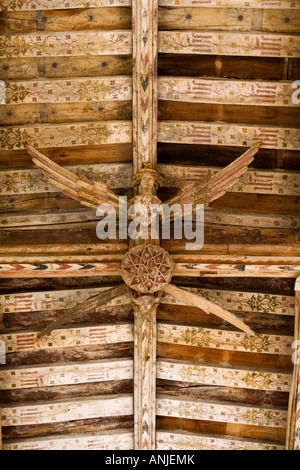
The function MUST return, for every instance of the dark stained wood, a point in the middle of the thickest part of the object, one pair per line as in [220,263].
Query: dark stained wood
[222,66]
[269,115]
[215,356]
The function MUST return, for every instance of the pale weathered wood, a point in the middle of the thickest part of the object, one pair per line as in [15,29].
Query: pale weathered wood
[66,44]
[221,412]
[24,5]
[235,44]
[2,92]
[68,338]
[267,4]
[108,440]
[174,440]
[67,410]
[253,181]
[32,181]
[195,300]
[47,301]
[198,132]
[67,374]
[118,175]
[223,339]
[47,135]
[250,378]
[145,28]
[238,92]
[293,425]
[114,88]
[14,5]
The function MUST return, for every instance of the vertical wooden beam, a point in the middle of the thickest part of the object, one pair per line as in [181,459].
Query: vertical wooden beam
[293,426]
[144,380]
[145,32]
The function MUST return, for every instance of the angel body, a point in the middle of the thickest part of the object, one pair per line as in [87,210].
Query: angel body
[146,268]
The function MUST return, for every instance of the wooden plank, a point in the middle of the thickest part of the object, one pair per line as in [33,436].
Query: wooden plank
[68,338]
[83,19]
[223,339]
[237,92]
[68,374]
[23,415]
[24,5]
[58,269]
[70,44]
[52,300]
[2,92]
[108,440]
[249,378]
[201,132]
[49,301]
[293,425]
[119,175]
[31,181]
[267,4]
[115,88]
[235,218]
[172,440]
[281,21]
[253,181]
[232,44]
[221,412]
[14,5]
[231,300]
[238,218]
[61,135]
[213,19]
[239,270]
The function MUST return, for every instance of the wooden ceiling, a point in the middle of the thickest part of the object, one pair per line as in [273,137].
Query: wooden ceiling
[225,75]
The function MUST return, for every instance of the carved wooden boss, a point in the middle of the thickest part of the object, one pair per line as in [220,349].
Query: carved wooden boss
[146,268]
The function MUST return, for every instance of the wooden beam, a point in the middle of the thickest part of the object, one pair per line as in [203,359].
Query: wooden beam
[107,440]
[237,92]
[223,339]
[61,135]
[58,269]
[293,426]
[116,175]
[24,5]
[67,374]
[113,88]
[253,181]
[221,412]
[250,378]
[238,270]
[213,133]
[70,44]
[267,4]
[23,415]
[174,440]
[232,44]
[68,338]
[145,29]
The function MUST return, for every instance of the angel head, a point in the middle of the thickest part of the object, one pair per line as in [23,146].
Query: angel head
[148,180]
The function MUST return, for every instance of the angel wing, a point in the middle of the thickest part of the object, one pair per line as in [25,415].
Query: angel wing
[213,187]
[87,192]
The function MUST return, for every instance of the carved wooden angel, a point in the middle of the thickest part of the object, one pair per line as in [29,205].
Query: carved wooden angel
[146,268]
